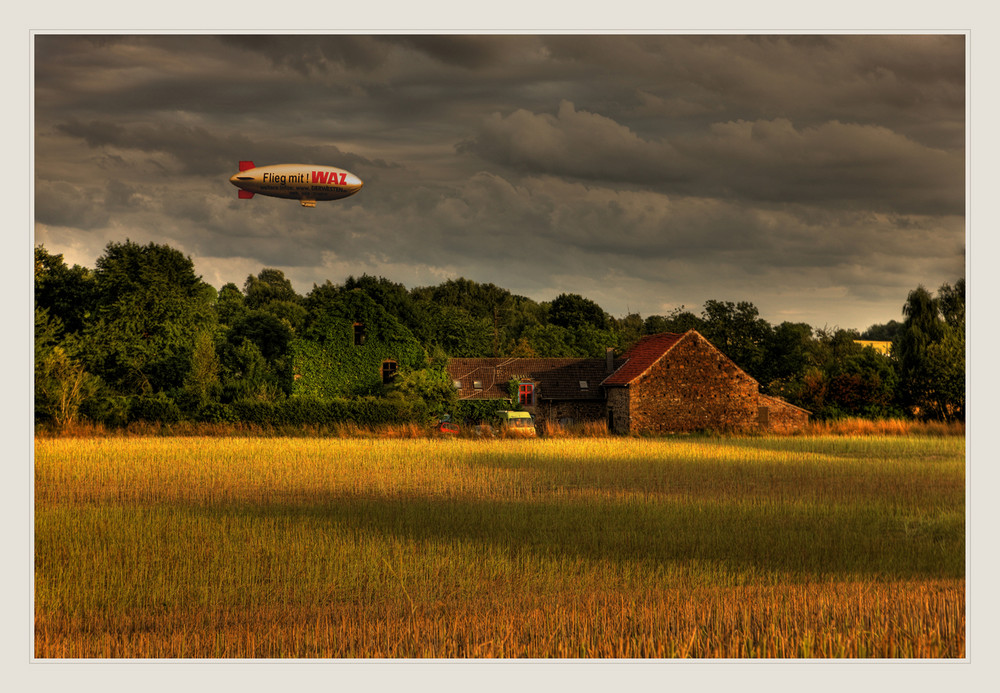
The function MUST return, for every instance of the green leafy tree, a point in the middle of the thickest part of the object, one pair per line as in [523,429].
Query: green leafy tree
[628,330]
[202,385]
[679,321]
[392,296]
[861,381]
[149,307]
[506,314]
[319,303]
[523,349]
[431,386]
[270,292]
[946,357]
[270,333]
[519,315]
[922,327]
[273,337]
[945,365]
[230,305]
[479,300]
[550,341]
[48,332]
[590,342]
[573,310]
[61,386]
[830,374]
[247,376]
[951,302]
[789,351]
[739,332]
[887,332]
[269,285]
[67,293]
[458,333]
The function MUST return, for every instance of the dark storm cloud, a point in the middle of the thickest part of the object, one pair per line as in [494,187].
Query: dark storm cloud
[834,163]
[818,176]
[196,150]
[307,54]
[62,204]
[471,52]
[911,84]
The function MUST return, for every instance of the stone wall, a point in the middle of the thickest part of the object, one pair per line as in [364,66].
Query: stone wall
[578,411]
[618,409]
[778,416]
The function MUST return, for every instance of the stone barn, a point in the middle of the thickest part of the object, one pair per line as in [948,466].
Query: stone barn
[671,383]
[666,383]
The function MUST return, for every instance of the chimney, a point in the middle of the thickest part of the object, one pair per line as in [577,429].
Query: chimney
[610,355]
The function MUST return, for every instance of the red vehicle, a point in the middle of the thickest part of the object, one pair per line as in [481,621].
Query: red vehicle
[446,426]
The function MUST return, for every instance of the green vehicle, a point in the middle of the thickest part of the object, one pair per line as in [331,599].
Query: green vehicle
[517,422]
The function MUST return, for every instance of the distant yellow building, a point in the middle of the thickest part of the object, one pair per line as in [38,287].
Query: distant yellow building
[880,347]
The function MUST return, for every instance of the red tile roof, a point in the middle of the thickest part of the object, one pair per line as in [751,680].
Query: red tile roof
[558,378]
[647,351]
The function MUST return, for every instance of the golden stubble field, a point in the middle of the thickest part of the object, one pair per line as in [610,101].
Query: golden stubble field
[345,548]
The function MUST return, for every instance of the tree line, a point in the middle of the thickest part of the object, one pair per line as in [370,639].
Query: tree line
[142,337]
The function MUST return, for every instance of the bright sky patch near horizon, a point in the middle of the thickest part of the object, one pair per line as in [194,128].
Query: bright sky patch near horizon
[821,177]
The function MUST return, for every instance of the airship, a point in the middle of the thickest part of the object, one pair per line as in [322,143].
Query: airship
[303,182]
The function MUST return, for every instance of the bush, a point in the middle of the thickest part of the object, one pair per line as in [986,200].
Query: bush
[158,407]
[216,412]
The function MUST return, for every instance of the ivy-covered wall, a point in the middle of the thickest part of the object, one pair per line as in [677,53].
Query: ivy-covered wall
[327,363]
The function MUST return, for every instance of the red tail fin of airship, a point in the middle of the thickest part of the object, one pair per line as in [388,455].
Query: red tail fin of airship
[246,166]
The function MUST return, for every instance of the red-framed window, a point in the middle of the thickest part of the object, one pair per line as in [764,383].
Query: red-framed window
[526,394]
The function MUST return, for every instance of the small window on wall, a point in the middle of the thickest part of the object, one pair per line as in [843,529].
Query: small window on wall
[526,394]
[388,371]
[359,334]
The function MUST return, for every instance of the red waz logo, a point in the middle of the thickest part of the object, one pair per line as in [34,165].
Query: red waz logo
[329,177]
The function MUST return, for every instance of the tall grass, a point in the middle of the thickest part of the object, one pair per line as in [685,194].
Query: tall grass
[591,547]
[549,429]
[885,427]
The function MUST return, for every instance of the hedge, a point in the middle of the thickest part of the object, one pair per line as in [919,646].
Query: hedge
[303,410]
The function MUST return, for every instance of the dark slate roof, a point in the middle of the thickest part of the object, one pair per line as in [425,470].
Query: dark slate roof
[555,378]
[647,351]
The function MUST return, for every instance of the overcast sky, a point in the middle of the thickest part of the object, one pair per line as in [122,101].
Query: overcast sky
[821,177]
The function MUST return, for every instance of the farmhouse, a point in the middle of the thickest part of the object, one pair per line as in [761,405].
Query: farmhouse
[665,383]
[560,390]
